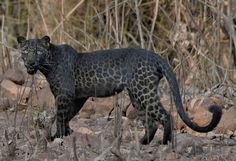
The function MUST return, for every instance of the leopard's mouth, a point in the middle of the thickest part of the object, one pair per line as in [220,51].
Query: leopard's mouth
[31,70]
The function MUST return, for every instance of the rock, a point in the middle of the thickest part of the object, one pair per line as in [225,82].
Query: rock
[171,156]
[85,130]
[4,104]
[230,133]
[198,111]
[85,115]
[202,102]
[41,81]
[9,88]
[188,145]
[15,93]
[213,135]
[87,110]
[177,121]
[15,75]
[102,106]
[43,98]
[97,107]
[131,113]
[218,101]
[9,141]
[43,123]
[58,141]
[227,122]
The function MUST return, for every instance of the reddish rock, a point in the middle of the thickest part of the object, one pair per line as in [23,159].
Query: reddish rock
[198,111]
[15,75]
[14,92]
[86,115]
[102,106]
[43,98]
[131,113]
[177,121]
[87,110]
[228,121]
[85,130]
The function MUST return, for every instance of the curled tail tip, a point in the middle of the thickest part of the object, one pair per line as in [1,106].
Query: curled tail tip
[217,114]
[215,109]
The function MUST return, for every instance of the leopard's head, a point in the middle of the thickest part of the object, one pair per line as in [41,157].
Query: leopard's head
[34,52]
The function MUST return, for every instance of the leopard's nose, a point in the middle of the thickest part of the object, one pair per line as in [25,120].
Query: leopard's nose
[32,64]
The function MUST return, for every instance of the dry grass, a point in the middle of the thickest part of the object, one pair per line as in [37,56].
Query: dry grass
[196,37]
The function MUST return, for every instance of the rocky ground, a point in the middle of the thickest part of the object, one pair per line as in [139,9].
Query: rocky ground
[26,110]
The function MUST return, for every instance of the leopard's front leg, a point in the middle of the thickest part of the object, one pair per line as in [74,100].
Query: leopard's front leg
[63,103]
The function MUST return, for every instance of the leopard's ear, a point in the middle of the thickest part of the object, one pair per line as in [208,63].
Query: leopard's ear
[46,40]
[20,39]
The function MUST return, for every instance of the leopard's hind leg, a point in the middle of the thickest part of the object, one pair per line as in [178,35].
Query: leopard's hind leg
[151,112]
[165,118]
[149,123]
[150,131]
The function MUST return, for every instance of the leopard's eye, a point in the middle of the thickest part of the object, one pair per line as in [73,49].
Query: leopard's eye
[39,53]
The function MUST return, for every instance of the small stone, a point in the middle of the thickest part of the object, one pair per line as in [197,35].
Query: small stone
[171,156]
[131,113]
[229,132]
[32,134]
[85,130]
[211,135]
[58,141]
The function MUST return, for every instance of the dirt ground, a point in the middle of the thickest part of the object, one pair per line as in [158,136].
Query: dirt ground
[93,139]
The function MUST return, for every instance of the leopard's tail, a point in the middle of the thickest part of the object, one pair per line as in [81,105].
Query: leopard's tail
[214,109]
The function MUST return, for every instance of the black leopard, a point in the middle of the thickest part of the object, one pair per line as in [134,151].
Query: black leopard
[74,77]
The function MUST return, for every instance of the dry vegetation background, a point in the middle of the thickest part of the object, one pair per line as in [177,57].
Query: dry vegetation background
[197,37]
